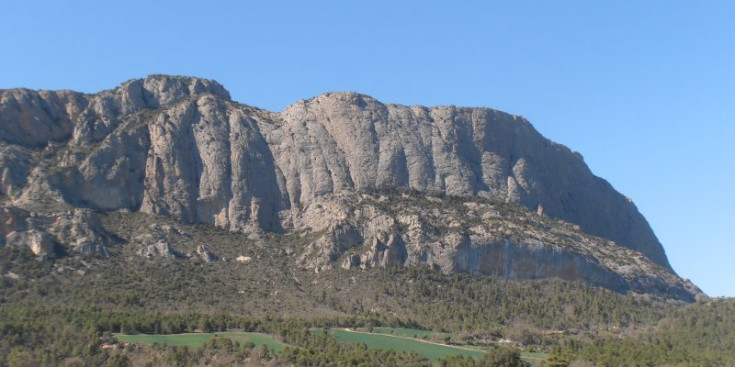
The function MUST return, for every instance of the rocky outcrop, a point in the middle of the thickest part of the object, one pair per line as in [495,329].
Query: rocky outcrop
[158,249]
[78,230]
[179,147]
[475,236]
[40,243]
[347,141]
[203,253]
[81,231]
[165,240]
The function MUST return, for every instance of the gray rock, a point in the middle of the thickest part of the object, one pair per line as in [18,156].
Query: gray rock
[350,262]
[40,243]
[15,167]
[158,249]
[509,243]
[13,220]
[347,141]
[207,256]
[78,230]
[179,147]
[82,231]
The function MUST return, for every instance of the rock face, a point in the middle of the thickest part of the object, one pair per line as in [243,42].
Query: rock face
[207,256]
[78,230]
[40,243]
[473,235]
[158,249]
[179,147]
[345,141]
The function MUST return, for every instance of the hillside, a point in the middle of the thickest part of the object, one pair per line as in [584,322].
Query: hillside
[359,183]
[64,309]
[164,207]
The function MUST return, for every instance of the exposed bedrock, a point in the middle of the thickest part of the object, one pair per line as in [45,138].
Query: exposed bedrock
[180,147]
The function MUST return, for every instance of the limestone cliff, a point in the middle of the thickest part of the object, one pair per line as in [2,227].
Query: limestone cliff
[180,147]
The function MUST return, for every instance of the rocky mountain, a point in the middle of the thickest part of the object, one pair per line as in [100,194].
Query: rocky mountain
[470,190]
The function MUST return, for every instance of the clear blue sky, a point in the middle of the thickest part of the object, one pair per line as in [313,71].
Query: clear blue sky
[645,90]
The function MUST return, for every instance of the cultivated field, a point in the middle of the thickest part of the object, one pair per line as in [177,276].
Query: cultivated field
[413,333]
[407,340]
[432,351]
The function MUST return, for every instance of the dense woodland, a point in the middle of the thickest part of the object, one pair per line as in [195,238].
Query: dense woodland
[62,311]
[697,335]
[54,336]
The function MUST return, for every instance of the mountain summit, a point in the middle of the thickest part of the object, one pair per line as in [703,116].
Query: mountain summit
[459,189]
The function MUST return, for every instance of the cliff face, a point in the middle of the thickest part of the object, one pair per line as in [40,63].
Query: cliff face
[348,141]
[179,147]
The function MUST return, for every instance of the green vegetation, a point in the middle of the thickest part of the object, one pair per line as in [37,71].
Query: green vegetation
[399,351]
[404,339]
[432,351]
[479,307]
[413,333]
[702,334]
[191,340]
[54,336]
[535,359]
[501,357]
[196,340]
[66,311]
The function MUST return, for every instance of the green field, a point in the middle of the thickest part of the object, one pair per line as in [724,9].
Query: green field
[382,338]
[195,340]
[399,339]
[413,333]
[384,341]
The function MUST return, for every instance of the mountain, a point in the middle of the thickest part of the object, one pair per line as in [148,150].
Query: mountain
[461,190]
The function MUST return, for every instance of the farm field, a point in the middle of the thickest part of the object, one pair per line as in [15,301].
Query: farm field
[195,340]
[412,333]
[381,338]
[430,350]
[404,340]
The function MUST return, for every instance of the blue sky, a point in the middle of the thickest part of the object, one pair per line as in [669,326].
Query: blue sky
[645,90]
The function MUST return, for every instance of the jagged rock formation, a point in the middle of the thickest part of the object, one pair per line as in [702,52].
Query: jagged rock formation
[472,235]
[179,147]
[207,256]
[158,249]
[79,230]
[40,243]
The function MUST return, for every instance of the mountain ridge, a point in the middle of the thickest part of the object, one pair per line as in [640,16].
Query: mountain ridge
[180,147]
